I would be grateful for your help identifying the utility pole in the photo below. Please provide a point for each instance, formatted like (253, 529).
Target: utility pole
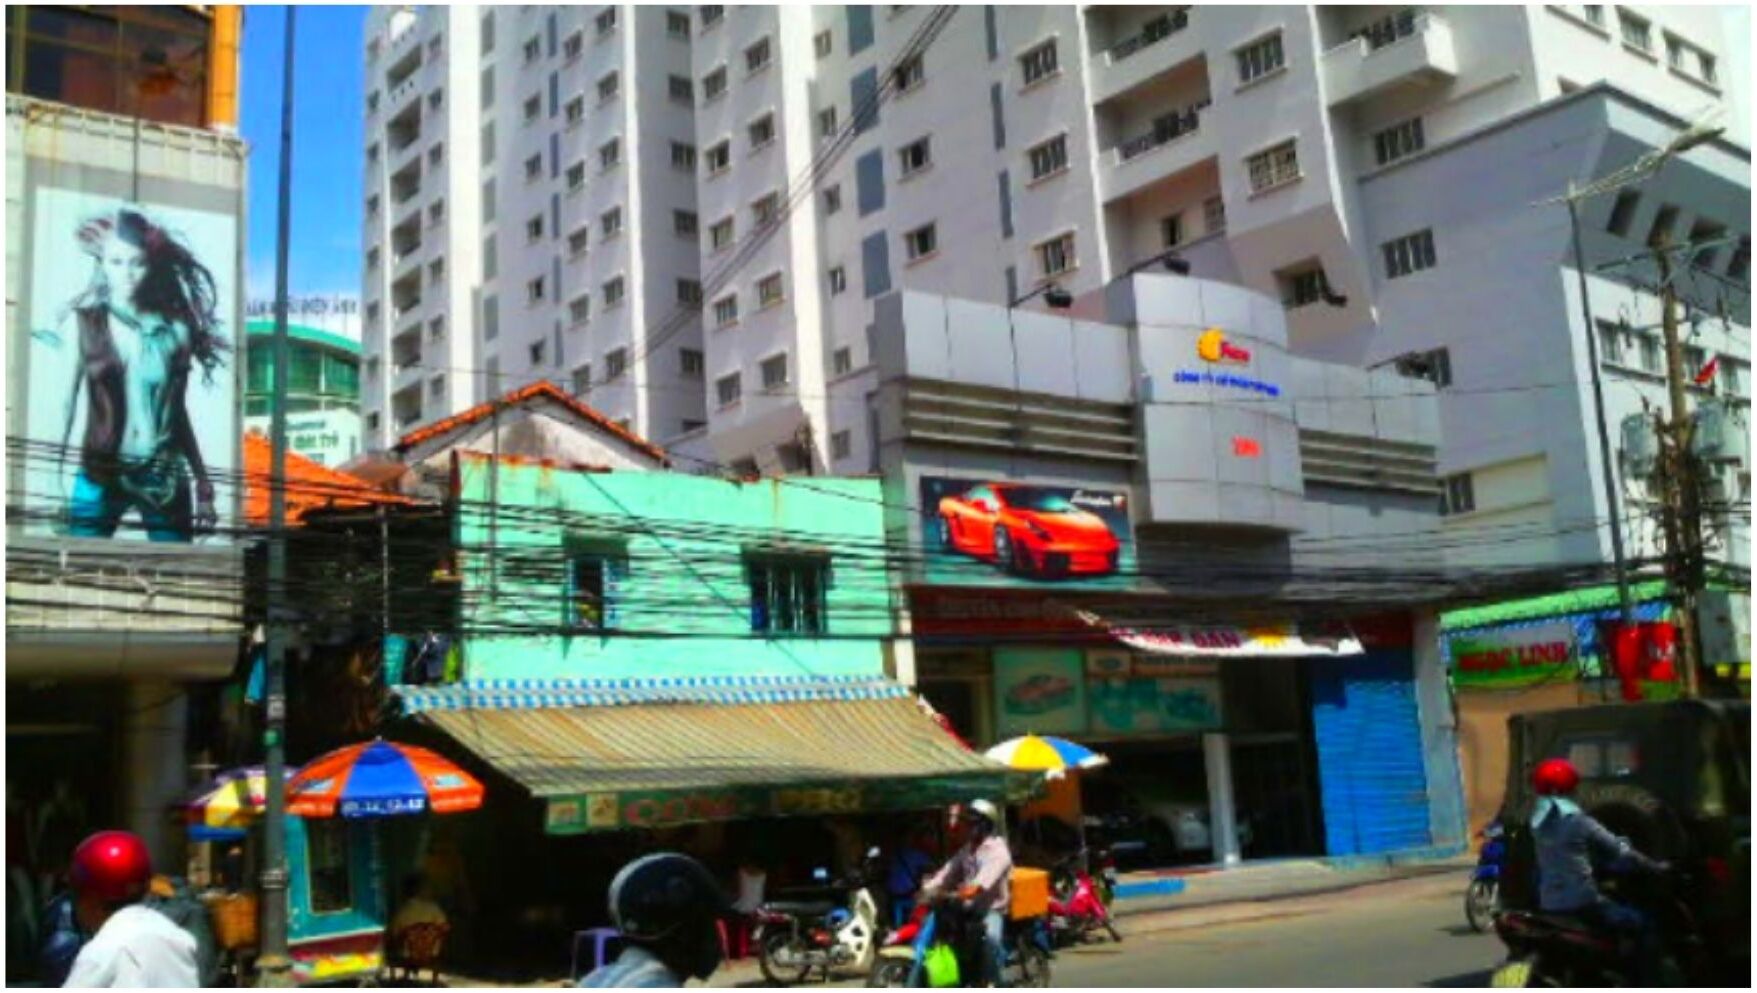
(274, 965)
(1683, 499)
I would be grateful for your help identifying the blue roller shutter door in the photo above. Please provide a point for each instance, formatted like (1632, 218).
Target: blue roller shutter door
(1370, 773)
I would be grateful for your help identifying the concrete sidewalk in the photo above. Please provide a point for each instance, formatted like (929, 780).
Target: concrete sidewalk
(1148, 892)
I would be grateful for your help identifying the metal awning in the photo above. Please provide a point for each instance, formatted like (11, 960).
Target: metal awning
(1274, 640)
(605, 756)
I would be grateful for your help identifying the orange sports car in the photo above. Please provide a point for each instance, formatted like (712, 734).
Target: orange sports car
(1031, 529)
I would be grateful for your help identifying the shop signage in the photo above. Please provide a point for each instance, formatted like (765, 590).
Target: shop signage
(1122, 664)
(1136, 705)
(942, 611)
(1246, 448)
(1227, 379)
(1285, 640)
(610, 811)
(327, 437)
(988, 532)
(1039, 691)
(1212, 346)
(1515, 656)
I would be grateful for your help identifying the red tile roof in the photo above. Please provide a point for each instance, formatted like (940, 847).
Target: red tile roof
(542, 389)
(310, 486)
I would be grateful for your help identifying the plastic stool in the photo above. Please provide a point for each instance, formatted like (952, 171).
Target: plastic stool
(601, 938)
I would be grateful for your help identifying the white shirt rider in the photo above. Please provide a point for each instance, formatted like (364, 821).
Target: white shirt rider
(137, 946)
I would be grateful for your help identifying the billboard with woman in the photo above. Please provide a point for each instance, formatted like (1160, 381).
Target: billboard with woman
(132, 368)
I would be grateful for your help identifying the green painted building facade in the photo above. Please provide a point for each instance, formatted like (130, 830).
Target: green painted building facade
(664, 575)
(323, 390)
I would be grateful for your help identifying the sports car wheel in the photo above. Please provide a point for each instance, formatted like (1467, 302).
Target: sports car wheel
(945, 533)
(1003, 550)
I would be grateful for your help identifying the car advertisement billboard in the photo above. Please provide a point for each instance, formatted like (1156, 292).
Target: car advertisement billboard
(1039, 691)
(987, 531)
(132, 416)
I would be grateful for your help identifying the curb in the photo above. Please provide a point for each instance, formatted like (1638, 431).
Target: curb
(1247, 910)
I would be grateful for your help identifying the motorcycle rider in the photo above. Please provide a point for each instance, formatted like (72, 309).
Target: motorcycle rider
(131, 945)
(666, 905)
(1566, 839)
(982, 871)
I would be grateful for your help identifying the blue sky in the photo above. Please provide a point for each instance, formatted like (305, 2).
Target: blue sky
(328, 135)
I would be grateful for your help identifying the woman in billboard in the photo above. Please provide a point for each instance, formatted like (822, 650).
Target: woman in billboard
(146, 319)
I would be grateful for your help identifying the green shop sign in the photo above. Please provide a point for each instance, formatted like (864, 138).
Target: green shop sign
(1515, 656)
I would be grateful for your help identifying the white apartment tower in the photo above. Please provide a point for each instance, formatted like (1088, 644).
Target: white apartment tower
(531, 212)
(1372, 166)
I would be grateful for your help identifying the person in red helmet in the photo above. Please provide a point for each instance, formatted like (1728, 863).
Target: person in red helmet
(1567, 840)
(131, 945)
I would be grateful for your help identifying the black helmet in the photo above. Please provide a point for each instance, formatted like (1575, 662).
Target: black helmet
(658, 896)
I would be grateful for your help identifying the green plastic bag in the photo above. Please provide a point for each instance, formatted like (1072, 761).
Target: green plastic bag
(941, 966)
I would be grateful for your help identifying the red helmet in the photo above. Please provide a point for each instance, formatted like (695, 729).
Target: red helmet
(112, 866)
(1555, 776)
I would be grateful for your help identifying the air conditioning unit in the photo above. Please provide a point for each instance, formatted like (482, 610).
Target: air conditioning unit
(1719, 435)
(1640, 445)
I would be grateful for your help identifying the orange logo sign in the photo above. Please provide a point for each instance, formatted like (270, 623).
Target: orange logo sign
(1212, 346)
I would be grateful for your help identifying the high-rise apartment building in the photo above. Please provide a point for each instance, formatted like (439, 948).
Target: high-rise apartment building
(1372, 167)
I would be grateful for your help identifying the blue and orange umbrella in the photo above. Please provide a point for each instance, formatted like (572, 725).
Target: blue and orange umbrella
(381, 779)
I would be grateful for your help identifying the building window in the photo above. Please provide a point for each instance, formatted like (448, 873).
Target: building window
(610, 154)
(573, 46)
(1273, 167)
(821, 44)
(1039, 63)
(711, 13)
(756, 57)
(909, 74)
(1213, 215)
(842, 361)
(921, 242)
(1734, 375)
(1388, 29)
(490, 317)
(436, 387)
(681, 89)
(1458, 494)
(1739, 267)
(582, 380)
(726, 311)
(714, 84)
(533, 108)
(915, 157)
(787, 595)
(576, 177)
(1056, 256)
(1675, 52)
(1594, 14)
(613, 292)
(1705, 68)
(606, 21)
(576, 242)
(841, 444)
(608, 86)
(762, 131)
(1260, 58)
(534, 290)
(833, 199)
(1610, 342)
(768, 290)
(1623, 213)
(766, 210)
(682, 156)
(611, 221)
(689, 293)
(676, 24)
(1648, 347)
(1302, 286)
(536, 351)
(615, 364)
(721, 234)
(683, 223)
(533, 49)
(826, 122)
(1410, 253)
(728, 389)
(838, 281)
(576, 110)
(328, 856)
(719, 158)
(488, 144)
(1399, 141)
(1049, 158)
(774, 369)
(1171, 230)
(533, 168)
(1664, 220)
(1637, 31)
(691, 364)
(579, 310)
(488, 32)
(593, 582)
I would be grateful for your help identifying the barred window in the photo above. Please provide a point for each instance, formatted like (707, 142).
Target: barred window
(1410, 253)
(1399, 141)
(1039, 62)
(1260, 58)
(1274, 166)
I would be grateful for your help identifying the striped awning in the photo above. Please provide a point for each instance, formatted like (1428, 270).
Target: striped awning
(609, 756)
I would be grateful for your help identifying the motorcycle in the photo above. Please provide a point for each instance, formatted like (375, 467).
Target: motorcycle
(901, 960)
(796, 937)
(1077, 908)
(1563, 950)
(1482, 898)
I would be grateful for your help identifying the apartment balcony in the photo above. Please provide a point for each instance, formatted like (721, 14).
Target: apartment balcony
(406, 184)
(405, 406)
(403, 131)
(1414, 50)
(1143, 54)
(1175, 144)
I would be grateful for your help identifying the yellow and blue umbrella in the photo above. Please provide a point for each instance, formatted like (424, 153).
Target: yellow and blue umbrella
(1033, 753)
(233, 801)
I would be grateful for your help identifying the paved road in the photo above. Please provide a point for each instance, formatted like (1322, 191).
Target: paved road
(1399, 934)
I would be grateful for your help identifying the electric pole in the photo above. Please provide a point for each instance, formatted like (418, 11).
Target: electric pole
(1682, 497)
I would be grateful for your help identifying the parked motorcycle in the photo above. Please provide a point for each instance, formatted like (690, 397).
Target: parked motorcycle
(1077, 908)
(943, 923)
(1482, 899)
(796, 937)
(1562, 950)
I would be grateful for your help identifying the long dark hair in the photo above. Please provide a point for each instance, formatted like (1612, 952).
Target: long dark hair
(175, 286)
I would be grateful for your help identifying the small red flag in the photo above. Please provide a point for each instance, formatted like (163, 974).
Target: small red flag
(1705, 375)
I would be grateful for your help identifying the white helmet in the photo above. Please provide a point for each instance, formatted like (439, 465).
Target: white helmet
(986, 810)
